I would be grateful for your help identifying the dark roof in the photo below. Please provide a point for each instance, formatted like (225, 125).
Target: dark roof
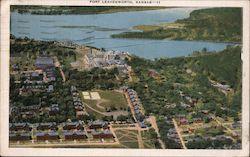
(44, 61)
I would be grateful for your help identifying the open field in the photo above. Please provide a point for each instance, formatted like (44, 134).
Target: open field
(104, 100)
(102, 103)
(127, 138)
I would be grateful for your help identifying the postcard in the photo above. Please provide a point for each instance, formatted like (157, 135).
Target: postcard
(124, 78)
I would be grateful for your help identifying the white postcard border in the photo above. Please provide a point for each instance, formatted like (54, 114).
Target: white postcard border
(4, 99)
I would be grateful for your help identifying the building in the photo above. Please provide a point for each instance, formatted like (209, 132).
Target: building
(72, 125)
(183, 121)
(41, 136)
(20, 127)
(44, 62)
(20, 137)
(78, 135)
(102, 135)
(98, 124)
(153, 73)
(50, 88)
(54, 109)
(47, 126)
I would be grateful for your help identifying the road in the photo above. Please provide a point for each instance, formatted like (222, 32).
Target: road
(179, 133)
(152, 120)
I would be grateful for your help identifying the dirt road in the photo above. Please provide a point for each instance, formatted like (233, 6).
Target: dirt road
(153, 123)
(179, 133)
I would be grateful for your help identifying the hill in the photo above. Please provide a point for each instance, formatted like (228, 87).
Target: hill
(213, 24)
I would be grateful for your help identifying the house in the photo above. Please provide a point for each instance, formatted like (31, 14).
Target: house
(153, 73)
(73, 89)
(50, 88)
(236, 125)
(197, 120)
(205, 111)
(78, 135)
(142, 124)
(80, 114)
(104, 134)
(183, 121)
(136, 107)
(47, 126)
(98, 124)
(54, 109)
(42, 136)
(78, 108)
(30, 108)
(137, 111)
(19, 137)
(20, 127)
(44, 62)
(72, 125)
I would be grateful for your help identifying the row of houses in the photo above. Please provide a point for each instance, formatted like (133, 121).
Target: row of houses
(98, 124)
(53, 135)
(135, 101)
(184, 121)
(78, 105)
(71, 131)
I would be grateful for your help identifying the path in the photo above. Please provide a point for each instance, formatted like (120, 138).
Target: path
(57, 64)
(102, 113)
(179, 134)
(152, 120)
(222, 124)
(98, 104)
(140, 142)
(114, 113)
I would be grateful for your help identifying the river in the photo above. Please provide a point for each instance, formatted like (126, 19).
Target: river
(95, 30)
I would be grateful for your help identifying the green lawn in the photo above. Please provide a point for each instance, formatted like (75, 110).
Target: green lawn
(113, 98)
(109, 99)
(127, 138)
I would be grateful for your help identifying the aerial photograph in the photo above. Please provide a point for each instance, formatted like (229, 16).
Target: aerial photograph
(125, 77)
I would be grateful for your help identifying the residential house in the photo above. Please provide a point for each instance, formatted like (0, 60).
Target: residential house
(42, 136)
(78, 135)
(20, 127)
(98, 124)
(72, 125)
(47, 126)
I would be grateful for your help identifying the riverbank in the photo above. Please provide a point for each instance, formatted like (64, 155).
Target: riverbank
(214, 24)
